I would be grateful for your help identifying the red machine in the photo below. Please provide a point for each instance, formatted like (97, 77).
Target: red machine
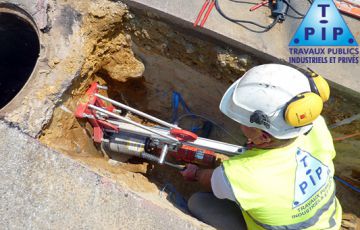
(116, 133)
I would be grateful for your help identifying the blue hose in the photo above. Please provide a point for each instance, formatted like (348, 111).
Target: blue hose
(177, 100)
(347, 184)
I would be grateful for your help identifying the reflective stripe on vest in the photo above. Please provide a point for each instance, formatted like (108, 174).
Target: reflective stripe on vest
(305, 224)
(332, 221)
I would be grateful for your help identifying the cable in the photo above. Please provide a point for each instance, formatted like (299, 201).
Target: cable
(245, 2)
(294, 17)
(213, 122)
(347, 184)
(235, 20)
(291, 7)
(296, 11)
(242, 22)
(265, 28)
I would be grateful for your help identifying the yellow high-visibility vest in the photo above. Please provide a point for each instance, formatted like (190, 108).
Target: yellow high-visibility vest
(290, 187)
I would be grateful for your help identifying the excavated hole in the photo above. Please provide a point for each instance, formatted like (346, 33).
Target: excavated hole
(19, 51)
(193, 72)
(151, 93)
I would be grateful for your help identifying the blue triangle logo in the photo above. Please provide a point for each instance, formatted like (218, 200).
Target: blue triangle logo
(323, 25)
(311, 175)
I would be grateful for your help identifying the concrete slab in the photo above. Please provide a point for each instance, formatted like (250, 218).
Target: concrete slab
(43, 189)
(272, 45)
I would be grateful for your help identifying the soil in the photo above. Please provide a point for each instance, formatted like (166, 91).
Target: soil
(151, 94)
(217, 60)
(167, 60)
(111, 62)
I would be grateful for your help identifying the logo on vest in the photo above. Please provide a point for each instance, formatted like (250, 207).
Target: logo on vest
(311, 176)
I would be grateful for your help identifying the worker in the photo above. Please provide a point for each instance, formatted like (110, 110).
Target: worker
(285, 178)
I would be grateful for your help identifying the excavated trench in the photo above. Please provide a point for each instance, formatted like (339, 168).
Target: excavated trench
(200, 71)
(19, 51)
(150, 93)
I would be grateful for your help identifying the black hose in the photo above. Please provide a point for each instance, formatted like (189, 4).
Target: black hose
(245, 2)
(242, 22)
(294, 17)
(293, 8)
(211, 121)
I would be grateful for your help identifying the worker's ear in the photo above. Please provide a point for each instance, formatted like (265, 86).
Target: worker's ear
(266, 138)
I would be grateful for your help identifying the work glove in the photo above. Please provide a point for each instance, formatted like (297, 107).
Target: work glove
(189, 173)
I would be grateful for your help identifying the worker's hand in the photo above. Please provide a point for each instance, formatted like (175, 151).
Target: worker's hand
(189, 173)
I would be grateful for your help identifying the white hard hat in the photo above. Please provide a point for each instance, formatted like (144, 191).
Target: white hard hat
(266, 89)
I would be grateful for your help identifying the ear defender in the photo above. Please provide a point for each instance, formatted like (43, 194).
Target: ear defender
(303, 109)
(321, 85)
(306, 107)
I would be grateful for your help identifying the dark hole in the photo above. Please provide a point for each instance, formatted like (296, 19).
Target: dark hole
(19, 50)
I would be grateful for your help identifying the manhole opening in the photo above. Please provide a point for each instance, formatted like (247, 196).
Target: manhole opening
(19, 52)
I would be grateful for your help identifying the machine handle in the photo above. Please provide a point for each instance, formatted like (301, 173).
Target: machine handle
(163, 154)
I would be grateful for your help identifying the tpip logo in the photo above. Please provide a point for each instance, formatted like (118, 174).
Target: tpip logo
(323, 26)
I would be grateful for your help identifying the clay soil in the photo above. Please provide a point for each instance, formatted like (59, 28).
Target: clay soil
(163, 63)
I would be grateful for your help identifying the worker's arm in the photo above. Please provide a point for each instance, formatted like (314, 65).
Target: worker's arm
(203, 176)
(213, 180)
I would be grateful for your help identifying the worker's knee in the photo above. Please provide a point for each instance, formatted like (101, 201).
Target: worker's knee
(221, 214)
(197, 201)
